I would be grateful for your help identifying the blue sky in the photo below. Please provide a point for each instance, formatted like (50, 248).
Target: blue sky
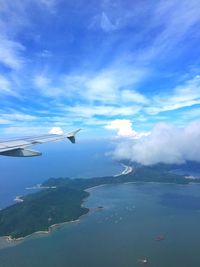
(88, 63)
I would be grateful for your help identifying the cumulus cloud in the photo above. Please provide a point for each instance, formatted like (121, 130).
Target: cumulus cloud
(165, 144)
(123, 127)
(56, 130)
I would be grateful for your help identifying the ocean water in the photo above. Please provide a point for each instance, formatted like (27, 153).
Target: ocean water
(122, 232)
(116, 236)
(61, 159)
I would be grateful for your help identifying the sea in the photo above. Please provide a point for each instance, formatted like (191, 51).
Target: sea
(120, 234)
(86, 159)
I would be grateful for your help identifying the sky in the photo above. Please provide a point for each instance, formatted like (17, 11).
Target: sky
(105, 66)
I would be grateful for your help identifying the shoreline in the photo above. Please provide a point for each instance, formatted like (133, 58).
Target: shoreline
(127, 170)
(51, 228)
(9, 240)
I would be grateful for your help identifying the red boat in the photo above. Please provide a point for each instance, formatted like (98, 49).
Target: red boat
(160, 238)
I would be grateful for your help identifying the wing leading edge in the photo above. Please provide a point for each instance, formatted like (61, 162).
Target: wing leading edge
(18, 147)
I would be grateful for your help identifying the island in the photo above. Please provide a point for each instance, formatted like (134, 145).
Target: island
(61, 200)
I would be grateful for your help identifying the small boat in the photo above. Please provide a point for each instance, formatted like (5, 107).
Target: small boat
(160, 238)
(142, 261)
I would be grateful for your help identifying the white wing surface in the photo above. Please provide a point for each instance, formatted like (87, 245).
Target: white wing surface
(18, 147)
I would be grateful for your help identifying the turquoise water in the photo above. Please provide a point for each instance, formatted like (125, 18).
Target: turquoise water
(122, 232)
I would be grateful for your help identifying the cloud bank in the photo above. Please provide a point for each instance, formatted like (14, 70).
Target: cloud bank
(165, 144)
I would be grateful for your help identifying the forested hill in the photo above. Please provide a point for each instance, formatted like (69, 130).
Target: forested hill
(141, 174)
(62, 200)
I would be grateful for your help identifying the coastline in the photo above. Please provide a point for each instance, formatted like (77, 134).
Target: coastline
(13, 241)
(9, 241)
(51, 228)
(127, 170)
(93, 187)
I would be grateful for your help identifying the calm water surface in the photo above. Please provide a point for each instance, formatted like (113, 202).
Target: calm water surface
(125, 230)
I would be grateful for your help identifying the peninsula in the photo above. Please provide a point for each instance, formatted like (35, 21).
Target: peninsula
(61, 200)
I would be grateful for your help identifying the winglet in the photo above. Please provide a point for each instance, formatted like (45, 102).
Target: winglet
(71, 136)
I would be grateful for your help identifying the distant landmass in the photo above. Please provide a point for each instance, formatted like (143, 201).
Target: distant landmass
(61, 200)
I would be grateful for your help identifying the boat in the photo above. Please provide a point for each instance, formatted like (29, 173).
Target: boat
(142, 261)
(160, 238)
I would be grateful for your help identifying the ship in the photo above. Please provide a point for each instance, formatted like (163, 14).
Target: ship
(160, 238)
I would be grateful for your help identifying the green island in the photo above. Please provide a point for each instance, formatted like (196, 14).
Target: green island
(61, 200)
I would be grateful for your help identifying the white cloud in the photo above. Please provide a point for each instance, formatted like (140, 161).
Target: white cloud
(56, 130)
(112, 91)
(123, 128)
(11, 53)
(18, 123)
(20, 116)
(4, 121)
(24, 130)
(106, 24)
(13, 19)
(101, 87)
(5, 86)
(109, 86)
(46, 87)
(45, 54)
(165, 143)
(185, 95)
(133, 96)
(41, 81)
(49, 5)
(178, 18)
(86, 111)
(13, 118)
(192, 114)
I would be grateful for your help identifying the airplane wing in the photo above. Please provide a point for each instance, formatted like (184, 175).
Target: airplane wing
(18, 147)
